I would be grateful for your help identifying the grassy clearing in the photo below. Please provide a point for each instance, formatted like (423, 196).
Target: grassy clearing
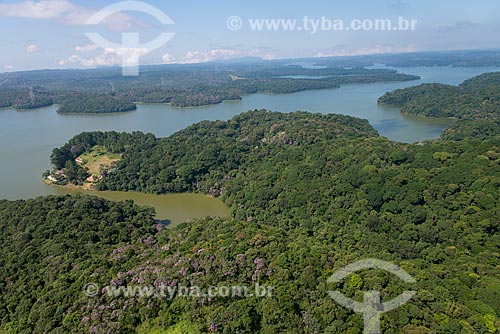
(97, 158)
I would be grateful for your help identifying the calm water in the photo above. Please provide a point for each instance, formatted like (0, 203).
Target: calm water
(175, 208)
(27, 138)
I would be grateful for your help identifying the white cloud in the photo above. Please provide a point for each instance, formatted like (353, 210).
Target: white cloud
(32, 48)
(129, 57)
(86, 48)
(48, 9)
(66, 12)
(168, 59)
(214, 55)
(376, 49)
(109, 57)
(8, 67)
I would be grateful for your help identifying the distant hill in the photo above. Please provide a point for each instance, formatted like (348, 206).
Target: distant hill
(475, 103)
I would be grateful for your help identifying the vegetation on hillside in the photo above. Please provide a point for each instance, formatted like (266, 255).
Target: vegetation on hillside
(25, 98)
(308, 194)
(83, 103)
(475, 103)
(476, 98)
(51, 247)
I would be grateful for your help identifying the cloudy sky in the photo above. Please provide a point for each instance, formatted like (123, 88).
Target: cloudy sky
(51, 33)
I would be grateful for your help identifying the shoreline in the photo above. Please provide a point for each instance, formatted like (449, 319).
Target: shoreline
(175, 208)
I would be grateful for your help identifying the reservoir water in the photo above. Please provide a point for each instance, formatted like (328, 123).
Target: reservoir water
(28, 137)
(172, 209)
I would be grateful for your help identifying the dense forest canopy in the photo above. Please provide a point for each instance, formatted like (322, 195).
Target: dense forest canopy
(92, 103)
(25, 99)
(476, 98)
(308, 194)
(182, 161)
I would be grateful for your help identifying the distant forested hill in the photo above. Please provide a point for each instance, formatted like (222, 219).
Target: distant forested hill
(78, 103)
(191, 85)
(106, 90)
(476, 98)
(475, 103)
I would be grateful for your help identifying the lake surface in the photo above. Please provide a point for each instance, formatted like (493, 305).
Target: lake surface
(28, 137)
(171, 208)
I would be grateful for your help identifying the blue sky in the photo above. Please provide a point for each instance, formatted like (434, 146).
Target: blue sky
(51, 33)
